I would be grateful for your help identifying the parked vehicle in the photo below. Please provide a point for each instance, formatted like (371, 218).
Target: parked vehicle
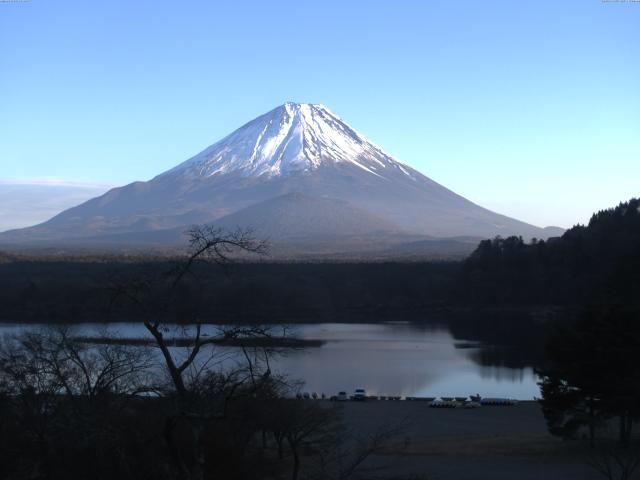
(360, 394)
(340, 397)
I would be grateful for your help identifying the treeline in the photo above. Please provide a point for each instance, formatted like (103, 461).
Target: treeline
(80, 291)
(595, 264)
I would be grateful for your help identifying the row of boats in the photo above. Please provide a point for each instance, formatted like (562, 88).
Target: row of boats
(456, 402)
(471, 401)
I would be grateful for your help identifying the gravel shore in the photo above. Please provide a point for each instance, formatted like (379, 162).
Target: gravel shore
(467, 444)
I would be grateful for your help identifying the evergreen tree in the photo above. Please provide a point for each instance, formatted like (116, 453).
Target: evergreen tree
(594, 374)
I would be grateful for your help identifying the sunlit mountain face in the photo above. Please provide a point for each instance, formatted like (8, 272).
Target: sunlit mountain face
(298, 173)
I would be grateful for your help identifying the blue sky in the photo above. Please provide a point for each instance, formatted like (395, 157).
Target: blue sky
(531, 108)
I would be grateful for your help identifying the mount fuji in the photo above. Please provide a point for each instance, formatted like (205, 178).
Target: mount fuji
(297, 174)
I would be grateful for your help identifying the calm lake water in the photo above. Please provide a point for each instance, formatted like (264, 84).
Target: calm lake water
(385, 359)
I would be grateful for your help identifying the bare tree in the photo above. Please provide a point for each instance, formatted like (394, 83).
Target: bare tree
(347, 455)
(203, 391)
(615, 462)
(319, 445)
(154, 297)
(306, 424)
(57, 385)
(51, 361)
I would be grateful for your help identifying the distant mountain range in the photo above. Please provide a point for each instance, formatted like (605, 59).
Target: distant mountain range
(298, 175)
(24, 204)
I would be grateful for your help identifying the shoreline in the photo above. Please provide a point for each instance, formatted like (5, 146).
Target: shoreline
(189, 342)
(501, 443)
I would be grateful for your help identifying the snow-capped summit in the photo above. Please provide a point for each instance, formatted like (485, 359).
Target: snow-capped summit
(293, 137)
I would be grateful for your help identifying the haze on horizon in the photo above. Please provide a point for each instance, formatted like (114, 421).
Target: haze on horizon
(530, 110)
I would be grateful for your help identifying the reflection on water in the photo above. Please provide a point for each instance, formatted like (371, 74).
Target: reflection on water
(399, 359)
(386, 359)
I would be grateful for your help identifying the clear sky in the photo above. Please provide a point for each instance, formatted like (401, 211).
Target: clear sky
(531, 108)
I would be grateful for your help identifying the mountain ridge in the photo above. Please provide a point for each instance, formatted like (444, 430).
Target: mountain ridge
(301, 148)
(291, 137)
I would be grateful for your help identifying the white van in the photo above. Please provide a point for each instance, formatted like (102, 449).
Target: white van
(360, 394)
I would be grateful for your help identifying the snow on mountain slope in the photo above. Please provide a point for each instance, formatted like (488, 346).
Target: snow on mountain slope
(290, 138)
(295, 148)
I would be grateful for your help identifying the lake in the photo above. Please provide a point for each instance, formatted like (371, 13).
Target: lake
(393, 358)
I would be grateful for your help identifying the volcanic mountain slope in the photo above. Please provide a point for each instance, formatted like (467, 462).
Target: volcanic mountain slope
(298, 216)
(295, 148)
